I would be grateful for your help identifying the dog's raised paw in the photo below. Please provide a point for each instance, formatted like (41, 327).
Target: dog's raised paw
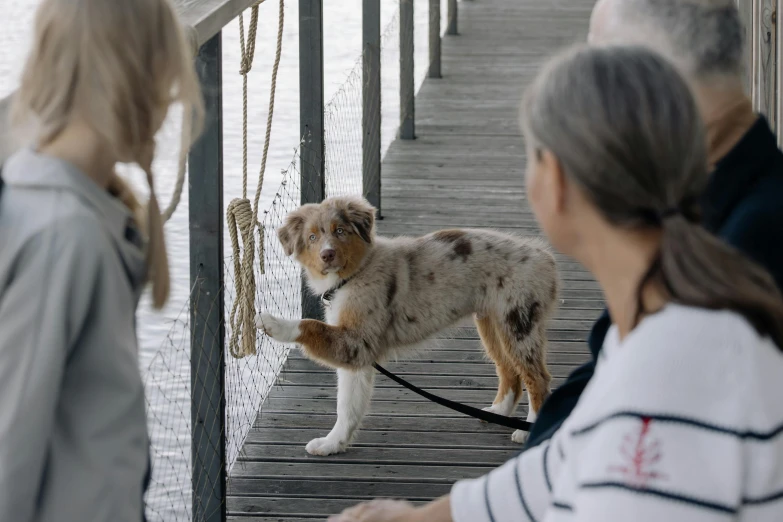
(278, 329)
(519, 436)
(324, 446)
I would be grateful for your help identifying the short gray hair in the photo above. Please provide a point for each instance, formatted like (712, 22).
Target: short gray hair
(703, 37)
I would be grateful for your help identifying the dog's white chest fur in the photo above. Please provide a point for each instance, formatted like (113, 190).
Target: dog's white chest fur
(332, 308)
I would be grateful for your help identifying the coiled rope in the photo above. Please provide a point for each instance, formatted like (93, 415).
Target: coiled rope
(242, 218)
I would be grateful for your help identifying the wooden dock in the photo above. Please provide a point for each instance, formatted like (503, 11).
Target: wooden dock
(465, 169)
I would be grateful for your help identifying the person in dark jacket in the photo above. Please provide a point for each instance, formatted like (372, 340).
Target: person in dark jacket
(743, 202)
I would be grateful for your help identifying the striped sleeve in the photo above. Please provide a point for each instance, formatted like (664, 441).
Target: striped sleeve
(518, 491)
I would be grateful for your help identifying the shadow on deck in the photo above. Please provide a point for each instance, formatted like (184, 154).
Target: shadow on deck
(465, 169)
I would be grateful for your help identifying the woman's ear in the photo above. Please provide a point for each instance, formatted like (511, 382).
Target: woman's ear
(554, 179)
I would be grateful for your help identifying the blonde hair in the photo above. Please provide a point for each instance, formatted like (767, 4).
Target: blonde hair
(119, 66)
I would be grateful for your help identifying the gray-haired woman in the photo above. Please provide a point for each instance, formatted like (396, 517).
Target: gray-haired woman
(682, 420)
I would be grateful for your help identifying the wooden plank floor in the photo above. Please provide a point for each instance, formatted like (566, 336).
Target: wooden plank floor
(465, 169)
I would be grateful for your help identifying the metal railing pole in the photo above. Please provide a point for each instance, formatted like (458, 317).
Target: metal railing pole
(311, 121)
(434, 40)
(452, 14)
(407, 85)
(207, 333)
(371, 102)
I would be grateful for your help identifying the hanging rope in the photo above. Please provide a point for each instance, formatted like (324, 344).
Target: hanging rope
(242, 218)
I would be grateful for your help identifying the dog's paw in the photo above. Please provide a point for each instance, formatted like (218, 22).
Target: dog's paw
(278, 329)
(499, 409)
(324, 446)
(519, 436)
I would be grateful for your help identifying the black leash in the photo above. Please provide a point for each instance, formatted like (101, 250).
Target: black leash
(492, 418)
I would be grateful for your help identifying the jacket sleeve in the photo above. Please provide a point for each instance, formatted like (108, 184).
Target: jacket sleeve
(43, 309)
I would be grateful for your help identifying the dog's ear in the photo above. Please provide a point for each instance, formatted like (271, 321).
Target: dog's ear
(290, 233)
(361, 216)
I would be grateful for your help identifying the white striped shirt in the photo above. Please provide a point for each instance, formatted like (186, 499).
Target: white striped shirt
(682, 421)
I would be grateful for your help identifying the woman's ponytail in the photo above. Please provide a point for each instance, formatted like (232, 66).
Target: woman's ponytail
(695, 268)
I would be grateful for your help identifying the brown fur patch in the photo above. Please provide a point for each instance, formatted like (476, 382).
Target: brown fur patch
(501, 280)
(431, 276)
(509, 378)
(463, 249)
(310, 258)
(449, 236)
(320, 340)
(352, 252)
(521, 320)
(350, 318)
(391, 290)
(291, 233)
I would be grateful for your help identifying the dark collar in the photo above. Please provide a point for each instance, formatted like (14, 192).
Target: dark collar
(326, 297)
(737, 172)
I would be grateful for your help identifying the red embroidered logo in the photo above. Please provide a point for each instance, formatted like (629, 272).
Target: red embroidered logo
(640, 454)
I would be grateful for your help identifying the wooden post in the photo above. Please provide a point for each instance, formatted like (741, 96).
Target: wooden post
(371, 102)
(207, 330)
(434, 69)
(311, 121)
(407, 96)
(452, 13)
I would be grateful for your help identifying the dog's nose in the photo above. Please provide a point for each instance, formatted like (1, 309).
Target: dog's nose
(327, 256)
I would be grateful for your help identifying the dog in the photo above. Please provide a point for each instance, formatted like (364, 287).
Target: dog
(388, 295)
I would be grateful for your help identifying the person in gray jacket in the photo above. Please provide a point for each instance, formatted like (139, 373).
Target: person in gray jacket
(75, 253)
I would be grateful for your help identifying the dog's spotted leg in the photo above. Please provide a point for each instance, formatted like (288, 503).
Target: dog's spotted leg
(354, 392)
(337, 346)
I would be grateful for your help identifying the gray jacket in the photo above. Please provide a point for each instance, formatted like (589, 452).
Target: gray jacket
(73, 433)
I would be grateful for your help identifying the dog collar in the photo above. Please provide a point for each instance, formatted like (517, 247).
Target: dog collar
(326, 297)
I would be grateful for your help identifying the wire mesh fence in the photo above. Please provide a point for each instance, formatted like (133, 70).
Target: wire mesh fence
(247, 381)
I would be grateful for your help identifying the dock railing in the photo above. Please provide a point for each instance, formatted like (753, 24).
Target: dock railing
(203, 394)
(198, 430)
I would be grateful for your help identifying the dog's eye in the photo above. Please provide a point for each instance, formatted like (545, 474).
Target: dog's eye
(340, 231)
(312, 237)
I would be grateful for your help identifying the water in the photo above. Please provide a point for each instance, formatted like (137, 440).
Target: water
(163, 336)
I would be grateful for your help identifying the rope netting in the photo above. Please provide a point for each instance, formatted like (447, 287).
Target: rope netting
(257, 274)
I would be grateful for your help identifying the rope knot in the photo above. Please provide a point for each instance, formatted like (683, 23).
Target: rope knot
(243, 331)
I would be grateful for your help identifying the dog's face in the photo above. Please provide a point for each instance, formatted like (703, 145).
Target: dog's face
(332, 237)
